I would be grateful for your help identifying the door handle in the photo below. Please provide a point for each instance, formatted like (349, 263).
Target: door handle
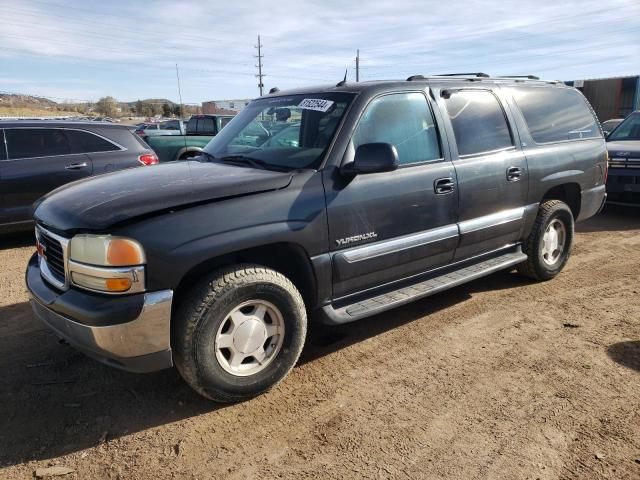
(514, 174)
(76, 166)
(442, 186)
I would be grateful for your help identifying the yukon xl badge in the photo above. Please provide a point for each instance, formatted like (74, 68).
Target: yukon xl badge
(356, 238)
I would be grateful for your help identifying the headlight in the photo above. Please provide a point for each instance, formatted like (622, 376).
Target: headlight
(105, 250)
(104, 263)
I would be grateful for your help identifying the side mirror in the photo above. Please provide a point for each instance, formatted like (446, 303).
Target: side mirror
(372, 158)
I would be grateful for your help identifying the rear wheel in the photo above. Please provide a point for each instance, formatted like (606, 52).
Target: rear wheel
(239, 332)
(550, 241)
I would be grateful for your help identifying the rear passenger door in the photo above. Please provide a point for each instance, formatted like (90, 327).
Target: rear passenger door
(388, 226)
(105, 155)
(39, 160)
(491, 169)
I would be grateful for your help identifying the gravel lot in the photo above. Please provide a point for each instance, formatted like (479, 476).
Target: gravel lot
(499, 379)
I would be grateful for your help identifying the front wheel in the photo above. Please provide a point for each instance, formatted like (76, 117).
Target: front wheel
(549, 244)
(239, 333)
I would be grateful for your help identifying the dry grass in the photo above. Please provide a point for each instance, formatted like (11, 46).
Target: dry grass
(32, 112)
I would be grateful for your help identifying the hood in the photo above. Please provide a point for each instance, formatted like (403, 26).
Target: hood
(100, 202)
(624, 148)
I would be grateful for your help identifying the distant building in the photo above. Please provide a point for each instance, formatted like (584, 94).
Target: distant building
(224, 107)
(611, 97)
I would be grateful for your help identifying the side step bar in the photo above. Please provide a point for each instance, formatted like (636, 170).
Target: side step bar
(408, 293)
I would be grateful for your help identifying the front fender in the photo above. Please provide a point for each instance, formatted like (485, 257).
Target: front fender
(182, 239)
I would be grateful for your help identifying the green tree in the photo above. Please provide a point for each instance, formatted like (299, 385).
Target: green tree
(166, 110)
(147, 109)
(139, 107)
(107, 106)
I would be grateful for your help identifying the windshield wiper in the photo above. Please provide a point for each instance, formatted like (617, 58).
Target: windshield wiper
(254, 162)
(207, 154)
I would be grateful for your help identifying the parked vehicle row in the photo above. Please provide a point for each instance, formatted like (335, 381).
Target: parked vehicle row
(623, 144)
(168, 127)
(341, 202)
(200, 129)
(39, 156)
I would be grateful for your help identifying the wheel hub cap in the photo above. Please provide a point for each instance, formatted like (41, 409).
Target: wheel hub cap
(249, 336)
(553, 242)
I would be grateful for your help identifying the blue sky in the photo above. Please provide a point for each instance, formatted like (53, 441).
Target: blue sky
(128, 49)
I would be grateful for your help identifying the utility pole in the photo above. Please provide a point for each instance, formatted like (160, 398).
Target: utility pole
(358, 65)
(259, 65)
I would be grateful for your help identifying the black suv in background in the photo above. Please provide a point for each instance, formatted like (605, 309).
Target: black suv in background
(623, 144)
(39, 156)
(392, 191)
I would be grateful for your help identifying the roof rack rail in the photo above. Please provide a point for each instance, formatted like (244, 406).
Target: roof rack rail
(416, 77)
(529, 77)
(476, 74)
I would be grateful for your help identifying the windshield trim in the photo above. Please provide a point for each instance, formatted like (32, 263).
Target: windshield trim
(329, 149)
(321, 160)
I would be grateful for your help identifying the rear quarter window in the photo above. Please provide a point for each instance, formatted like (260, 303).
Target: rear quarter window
(556, 114)
(87, 142)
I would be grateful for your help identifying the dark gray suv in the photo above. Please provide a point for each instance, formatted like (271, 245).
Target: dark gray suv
(39, 156)
(392, 191)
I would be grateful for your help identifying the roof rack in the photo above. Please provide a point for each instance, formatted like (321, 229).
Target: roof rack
(529, 77)
(476, 74)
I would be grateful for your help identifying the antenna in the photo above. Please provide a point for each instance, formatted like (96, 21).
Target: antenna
(358, 65)
(259, 65)
(343, 81)
(182, 112)
(179, 91)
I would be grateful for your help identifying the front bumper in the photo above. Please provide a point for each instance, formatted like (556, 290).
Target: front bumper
(140, 344)
(623, 186)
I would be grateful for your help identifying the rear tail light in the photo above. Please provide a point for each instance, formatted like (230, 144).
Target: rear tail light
(148, 159)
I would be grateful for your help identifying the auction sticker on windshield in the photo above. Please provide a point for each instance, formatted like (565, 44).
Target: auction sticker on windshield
(317, 104)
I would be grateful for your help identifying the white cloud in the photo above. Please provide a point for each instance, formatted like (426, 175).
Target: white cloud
(129, 49)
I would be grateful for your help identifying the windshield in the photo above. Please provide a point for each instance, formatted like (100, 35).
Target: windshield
(283, 132)
(629, 129)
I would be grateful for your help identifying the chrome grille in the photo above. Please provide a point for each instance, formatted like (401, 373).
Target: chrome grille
(52, 250)
(53, 255)
(623, 162)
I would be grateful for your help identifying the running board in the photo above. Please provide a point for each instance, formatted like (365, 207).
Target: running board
(408, 293)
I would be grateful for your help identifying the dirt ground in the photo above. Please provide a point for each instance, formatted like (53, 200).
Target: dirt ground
(497, 379)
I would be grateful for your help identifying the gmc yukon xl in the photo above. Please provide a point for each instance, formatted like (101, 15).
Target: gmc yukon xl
(390, 192)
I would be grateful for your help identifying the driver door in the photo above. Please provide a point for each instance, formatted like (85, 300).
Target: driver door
(384, 227)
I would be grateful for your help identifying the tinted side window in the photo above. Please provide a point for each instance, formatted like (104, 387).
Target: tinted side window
(404, 120)
(192, 125)
(478, 122)
(3, 147)
(36, 142)
(224, 121)
(556, 114)
(206, 126)
(85, 142)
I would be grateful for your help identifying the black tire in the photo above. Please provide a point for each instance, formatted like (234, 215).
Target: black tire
(200, 314)
(535, 266)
